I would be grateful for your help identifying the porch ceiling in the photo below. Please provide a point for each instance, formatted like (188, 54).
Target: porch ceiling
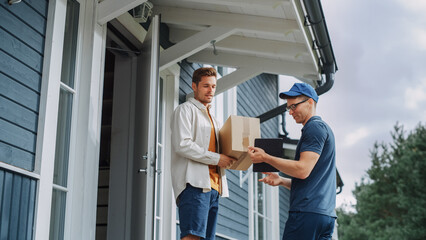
(253, 36)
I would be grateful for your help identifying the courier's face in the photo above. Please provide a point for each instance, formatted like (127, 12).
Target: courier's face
(302, 112)
(205, 89)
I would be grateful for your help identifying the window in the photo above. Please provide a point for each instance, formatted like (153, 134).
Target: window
(159, 177)
(262, 209)
(224, 104)
(66, 98)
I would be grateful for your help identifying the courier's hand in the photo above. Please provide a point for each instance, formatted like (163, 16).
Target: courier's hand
(257, 155)
(271, 178)
(225, 161)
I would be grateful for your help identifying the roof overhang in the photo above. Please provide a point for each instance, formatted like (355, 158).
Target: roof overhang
(252, 36)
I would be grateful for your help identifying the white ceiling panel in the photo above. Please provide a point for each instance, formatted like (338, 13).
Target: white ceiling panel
(265, 35)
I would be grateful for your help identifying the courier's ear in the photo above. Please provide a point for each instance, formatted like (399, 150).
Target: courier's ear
(312, 103)
(194, 86)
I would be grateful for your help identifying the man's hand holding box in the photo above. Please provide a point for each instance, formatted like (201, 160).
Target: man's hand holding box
(235, 136)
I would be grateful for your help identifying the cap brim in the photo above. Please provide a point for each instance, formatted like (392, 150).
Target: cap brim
(284, 95)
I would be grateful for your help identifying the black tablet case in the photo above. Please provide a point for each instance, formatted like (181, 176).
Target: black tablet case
(273, 147)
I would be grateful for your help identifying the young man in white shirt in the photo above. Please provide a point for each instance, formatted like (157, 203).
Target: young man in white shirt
(198, 170)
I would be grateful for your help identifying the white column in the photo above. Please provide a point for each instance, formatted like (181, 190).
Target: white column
(84, 161)
(171, 86)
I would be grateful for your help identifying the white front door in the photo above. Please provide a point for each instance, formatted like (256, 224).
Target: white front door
(145, 135)
(134, 129)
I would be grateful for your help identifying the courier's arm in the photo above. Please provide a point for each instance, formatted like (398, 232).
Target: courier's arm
(299, 169)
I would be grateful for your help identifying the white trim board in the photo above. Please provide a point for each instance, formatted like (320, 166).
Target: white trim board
(48, 116)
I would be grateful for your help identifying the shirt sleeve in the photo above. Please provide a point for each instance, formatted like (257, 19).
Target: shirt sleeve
(182, 138)
(314, 138)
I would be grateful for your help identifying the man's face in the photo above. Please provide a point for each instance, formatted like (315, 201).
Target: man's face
(301, 112)
(205, 89)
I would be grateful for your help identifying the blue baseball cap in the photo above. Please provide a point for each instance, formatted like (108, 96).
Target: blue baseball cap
(300, 89)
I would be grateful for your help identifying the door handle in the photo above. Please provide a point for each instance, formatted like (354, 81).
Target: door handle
(144, 170)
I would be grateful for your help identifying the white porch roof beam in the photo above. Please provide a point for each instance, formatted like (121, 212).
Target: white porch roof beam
(272, 66)
(253, 46)
(110, 9)
(241, 22)
(244, 3)
(235, 78)
(192, 45)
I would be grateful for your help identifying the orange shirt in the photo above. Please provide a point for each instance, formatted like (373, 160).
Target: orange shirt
(213, 169)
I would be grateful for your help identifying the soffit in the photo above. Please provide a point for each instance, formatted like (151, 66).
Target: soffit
(264, 35)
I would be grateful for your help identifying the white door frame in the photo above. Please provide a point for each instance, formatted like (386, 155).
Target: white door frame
(170, 90)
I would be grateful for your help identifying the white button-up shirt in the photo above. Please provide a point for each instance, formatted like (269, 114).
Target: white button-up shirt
(191, 131)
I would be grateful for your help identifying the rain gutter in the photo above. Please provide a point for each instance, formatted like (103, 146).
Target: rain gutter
(315, 20)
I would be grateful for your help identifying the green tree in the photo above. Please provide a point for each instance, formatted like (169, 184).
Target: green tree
(391, 202)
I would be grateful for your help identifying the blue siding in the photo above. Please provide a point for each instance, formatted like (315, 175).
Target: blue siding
(22, 34)
(233, 211)
(257, 96)
(19, 29)
(185, 81)
(17, 198)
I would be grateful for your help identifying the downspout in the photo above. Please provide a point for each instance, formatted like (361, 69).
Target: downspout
(314, 19)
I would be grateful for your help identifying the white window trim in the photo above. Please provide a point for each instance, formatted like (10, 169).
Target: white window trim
(74, 118)
(245, 177)
(86, 116)
(48, 114)
(271, 201)
(19, 170)
(225, 236)
(274, 202)
(229, 97)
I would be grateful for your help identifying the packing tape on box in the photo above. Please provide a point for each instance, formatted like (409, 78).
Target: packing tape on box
(246, 133)
(243, 156)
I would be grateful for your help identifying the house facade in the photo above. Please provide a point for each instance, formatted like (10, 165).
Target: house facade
(87, 89)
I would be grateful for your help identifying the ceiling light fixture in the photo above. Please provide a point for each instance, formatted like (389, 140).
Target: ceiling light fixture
(214, 47)
(142, 12)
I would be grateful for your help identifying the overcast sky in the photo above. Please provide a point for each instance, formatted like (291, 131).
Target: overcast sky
(380, 50)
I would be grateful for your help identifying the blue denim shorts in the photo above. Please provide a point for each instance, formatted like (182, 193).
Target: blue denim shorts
(198, 212)
(307, 226)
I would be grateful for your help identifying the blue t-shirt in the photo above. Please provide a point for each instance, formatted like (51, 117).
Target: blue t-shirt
(316, 193)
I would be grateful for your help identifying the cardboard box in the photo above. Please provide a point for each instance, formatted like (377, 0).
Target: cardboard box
(235, 136)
